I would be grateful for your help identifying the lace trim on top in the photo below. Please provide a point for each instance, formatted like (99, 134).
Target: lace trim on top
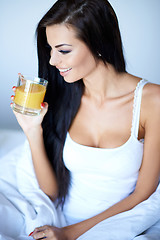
(137, 107)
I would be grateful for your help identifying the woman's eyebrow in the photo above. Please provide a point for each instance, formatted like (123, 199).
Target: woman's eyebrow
(63, 44)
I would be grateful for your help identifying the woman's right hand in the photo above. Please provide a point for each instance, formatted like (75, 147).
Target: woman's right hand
(30, 124)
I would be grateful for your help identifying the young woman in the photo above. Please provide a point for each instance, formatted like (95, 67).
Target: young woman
(95, 145)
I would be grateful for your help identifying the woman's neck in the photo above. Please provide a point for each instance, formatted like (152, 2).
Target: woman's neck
(103, 83)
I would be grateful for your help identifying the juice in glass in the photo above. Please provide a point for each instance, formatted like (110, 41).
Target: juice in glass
(29, 95)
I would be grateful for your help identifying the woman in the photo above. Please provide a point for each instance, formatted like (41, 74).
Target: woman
(88, 153)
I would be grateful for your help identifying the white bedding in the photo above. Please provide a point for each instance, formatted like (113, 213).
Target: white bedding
(23, 206)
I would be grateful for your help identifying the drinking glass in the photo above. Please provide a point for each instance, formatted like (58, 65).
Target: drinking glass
(29, 95)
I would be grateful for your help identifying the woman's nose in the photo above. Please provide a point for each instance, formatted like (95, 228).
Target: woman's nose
(54, 59)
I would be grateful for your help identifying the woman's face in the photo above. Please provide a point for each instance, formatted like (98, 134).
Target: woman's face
(69, 55)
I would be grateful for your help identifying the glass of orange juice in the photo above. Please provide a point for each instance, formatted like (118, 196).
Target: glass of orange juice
(29, 95)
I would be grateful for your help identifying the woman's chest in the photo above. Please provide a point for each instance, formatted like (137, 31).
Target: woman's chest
(106, 126)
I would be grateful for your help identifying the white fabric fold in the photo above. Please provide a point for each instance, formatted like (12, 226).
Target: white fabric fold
(23, 205)
(45, 211)
(22, 237)
(128, 225)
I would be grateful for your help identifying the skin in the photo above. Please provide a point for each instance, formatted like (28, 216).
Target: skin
(108, 96)
(77, 57)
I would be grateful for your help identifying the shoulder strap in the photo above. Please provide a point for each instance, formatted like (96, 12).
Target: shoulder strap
(137, 107)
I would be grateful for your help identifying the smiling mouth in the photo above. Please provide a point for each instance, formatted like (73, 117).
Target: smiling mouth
(64, 70)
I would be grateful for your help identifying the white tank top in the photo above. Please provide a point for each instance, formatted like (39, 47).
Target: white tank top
(101, 177)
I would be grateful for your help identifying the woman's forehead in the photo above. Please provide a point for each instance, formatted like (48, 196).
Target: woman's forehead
(60, 33)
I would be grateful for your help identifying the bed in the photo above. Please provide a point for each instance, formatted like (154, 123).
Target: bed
(23, 206)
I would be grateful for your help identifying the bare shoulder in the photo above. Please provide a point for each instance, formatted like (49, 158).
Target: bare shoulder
(151, 101)
(151, 94)
(151, 91)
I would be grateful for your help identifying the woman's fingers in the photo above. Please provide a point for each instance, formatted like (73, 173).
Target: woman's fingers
(14, 88)
(44, 108)
(41, 232)
(12, 97)
(38, 229)
(49, 232)
(39, 235)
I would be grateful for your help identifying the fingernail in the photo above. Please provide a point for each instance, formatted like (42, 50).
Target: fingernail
(12, 96)
(13, 87)
(30, 234)
(11, 105)
(42, 105)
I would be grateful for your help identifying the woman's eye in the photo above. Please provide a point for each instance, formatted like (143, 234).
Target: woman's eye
(64, 51)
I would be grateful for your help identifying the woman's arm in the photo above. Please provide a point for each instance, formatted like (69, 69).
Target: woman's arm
(43, 169)
(32, 128)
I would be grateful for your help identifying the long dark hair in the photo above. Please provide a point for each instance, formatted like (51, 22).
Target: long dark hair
(96, 24)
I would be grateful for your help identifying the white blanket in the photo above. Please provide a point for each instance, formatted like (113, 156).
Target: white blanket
(23, 206)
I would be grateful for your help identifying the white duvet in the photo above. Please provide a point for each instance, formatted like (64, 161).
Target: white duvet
(23, 206)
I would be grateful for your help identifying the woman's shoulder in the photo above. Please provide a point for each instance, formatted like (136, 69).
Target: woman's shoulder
(151, 101)
(151, 93)
(150, 105)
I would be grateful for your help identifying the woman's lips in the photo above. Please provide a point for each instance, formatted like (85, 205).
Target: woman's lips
(64, 71)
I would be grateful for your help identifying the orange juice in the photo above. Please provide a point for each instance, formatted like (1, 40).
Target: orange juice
(30, 95)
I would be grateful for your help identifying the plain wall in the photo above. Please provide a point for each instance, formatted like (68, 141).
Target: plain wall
(139, 24)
